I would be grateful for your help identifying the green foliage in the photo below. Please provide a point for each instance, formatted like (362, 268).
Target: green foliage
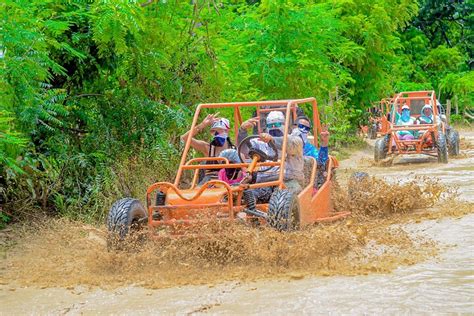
(439, 49)
(4, 219)
(460, 85)
(339, 118)
(11, 142)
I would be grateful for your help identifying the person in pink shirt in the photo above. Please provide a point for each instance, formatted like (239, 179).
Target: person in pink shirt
(234, 176)
(231, 176)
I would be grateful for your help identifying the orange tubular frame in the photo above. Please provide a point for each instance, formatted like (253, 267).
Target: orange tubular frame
(215, 199)
(421, 145)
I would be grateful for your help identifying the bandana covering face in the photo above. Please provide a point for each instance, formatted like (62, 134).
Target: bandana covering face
(219, 140)
(231, 173)
(304, 136)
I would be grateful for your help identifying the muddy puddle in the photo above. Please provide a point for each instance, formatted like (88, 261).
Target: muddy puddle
(399, 253)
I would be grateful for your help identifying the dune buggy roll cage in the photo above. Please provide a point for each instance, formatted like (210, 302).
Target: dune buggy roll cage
(289, 106)
(408, 98)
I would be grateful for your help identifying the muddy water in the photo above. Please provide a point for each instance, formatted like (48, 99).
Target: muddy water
(430, 278)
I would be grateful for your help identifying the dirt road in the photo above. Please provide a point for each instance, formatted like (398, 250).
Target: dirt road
(440, 284)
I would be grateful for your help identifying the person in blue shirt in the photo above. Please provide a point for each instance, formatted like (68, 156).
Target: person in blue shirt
(303, 128)
(406, 120)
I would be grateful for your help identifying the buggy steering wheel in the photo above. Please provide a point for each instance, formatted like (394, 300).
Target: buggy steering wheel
(253, 151)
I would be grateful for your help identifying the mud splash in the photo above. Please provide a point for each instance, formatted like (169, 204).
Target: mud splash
(65, 254)
(374, 197)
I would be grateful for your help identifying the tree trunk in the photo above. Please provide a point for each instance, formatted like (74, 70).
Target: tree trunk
(456, 104)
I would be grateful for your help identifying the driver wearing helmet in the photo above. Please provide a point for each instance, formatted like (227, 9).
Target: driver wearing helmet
(231, 176)
(294, 163)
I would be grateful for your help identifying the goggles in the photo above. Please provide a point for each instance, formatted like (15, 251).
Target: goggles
(304, 128)
(274, 125)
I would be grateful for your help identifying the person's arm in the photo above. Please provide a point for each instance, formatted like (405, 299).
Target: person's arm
(323, 154)
(278, 141)
(200, 127)
(251, 122)
(242, 134)
(199, 145)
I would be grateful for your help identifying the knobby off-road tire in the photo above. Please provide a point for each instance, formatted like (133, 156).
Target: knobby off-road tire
(381, 149)
(284, 211)
(442, 148)
(125, 215)
(453, 142)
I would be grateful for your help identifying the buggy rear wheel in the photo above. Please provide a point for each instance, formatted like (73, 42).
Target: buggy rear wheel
(284, 211)
(442, 148)
(453, 142)
(125, 216)
(381, 149)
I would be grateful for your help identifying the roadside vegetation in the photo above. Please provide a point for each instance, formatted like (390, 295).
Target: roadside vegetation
(94, 94)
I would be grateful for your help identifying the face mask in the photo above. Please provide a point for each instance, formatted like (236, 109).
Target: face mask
(304, 136)
(219, 139)
(275, 133)
(405, 116)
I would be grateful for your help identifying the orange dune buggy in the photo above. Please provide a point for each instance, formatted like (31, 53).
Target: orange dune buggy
(175, 207)
(379, 118)
(429, 139)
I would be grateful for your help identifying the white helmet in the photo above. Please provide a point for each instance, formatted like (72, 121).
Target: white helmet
(221, 123)
(231, 155)
(275, 117)
(276, 123)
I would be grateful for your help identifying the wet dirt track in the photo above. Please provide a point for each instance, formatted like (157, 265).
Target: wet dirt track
(442, 284)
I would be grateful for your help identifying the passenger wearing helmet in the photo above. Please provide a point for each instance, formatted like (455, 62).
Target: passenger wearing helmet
(426, 115)
(263, 115)
(220, 141)
(219, 133)
(231, 175)
(235, 176)
(405, 119)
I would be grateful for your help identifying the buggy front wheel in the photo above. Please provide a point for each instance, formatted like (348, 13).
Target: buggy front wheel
(126, 216)
(284, 211)
(442, 148)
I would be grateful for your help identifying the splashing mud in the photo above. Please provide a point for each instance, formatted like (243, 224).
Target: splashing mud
(371, 196)
(64, 253)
